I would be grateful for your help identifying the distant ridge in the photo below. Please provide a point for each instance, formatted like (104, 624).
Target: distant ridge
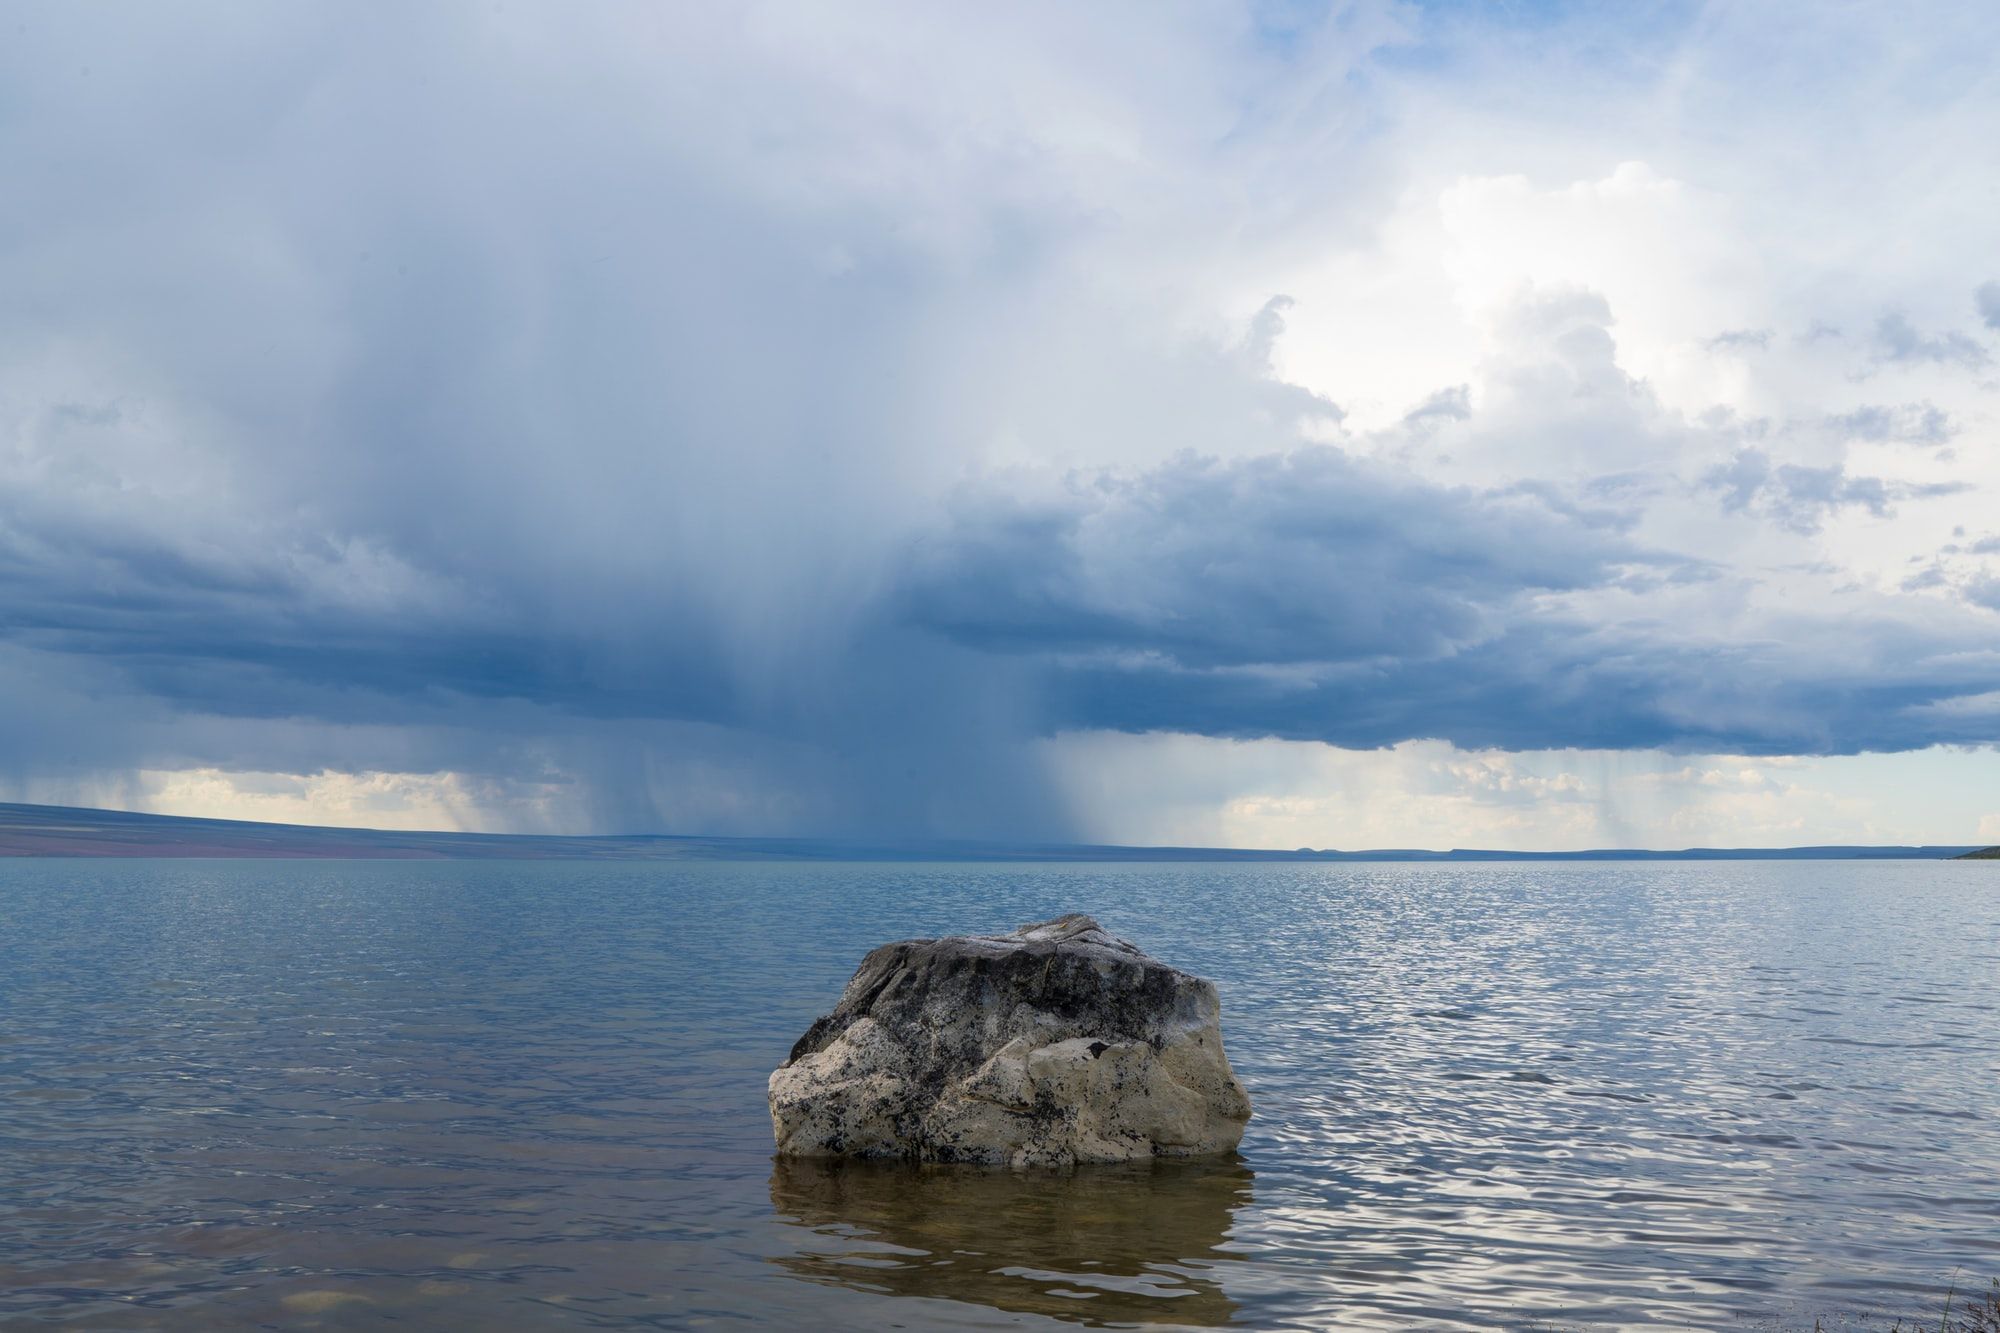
(1983, 854)
(53, 830)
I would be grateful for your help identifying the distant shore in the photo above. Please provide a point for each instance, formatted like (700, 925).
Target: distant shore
(64, 831)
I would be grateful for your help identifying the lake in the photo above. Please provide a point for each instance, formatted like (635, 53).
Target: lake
(531, 1095)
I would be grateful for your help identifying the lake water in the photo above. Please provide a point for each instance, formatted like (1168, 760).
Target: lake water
(525, 1095)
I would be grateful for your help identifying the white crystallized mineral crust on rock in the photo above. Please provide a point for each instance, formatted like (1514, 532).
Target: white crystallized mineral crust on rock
(1057, 1044)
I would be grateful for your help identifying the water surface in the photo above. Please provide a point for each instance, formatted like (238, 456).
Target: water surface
(351, 1095)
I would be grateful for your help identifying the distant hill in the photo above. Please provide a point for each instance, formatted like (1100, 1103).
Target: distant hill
(50, 830)
(1983, 854)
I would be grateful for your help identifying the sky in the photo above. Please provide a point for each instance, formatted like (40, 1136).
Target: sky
(1271, 424)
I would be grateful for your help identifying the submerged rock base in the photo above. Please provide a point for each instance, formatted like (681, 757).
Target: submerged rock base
(1059, 1043)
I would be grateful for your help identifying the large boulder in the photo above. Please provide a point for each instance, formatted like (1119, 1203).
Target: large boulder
(1057, 1044)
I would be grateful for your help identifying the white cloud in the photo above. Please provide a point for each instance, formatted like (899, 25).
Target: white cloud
(1162, 789)
(447, 801)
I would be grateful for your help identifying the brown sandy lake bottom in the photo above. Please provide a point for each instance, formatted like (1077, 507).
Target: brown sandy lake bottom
(518, 1095)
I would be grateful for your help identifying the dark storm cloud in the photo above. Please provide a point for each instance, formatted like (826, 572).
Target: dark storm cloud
(521, 392)
(386, 367)
(1259, 563)
(1306, 596)
(1314, 598)
(1565, 684)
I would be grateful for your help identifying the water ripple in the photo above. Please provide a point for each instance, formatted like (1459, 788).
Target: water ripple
(455, 1095)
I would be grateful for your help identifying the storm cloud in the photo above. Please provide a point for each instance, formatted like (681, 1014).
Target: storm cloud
(1310, 598)
(774, 420)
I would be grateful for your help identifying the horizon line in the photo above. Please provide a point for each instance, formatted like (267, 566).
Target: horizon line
(89, 831)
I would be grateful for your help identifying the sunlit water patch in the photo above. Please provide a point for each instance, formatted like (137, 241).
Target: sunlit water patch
(531, 1095)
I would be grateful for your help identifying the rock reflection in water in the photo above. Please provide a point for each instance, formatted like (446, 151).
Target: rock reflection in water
(1105, 1244)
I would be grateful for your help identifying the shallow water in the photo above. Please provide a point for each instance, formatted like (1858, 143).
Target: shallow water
(345, 1095)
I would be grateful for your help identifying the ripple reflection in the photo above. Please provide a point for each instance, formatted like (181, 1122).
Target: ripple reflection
(1124, 1244)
